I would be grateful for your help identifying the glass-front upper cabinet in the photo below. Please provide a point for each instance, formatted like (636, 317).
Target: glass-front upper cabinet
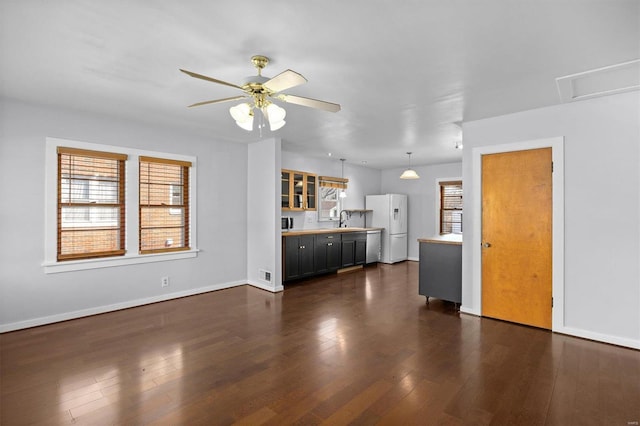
(298, 190)
(285, 194)
(311, 192)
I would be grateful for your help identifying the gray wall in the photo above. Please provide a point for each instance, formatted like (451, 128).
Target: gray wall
(362, 181)
(423, 198)
(28, 296)
(601, 206)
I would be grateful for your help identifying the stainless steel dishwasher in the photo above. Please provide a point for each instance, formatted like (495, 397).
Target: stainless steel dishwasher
(373, 246)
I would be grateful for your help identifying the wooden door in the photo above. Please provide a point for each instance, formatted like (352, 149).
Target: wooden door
(516, 236)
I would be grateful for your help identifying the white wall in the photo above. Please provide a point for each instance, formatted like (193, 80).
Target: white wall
(264, 244)
(423, 198)
(29, 297)
(602, 209)
(362, 181)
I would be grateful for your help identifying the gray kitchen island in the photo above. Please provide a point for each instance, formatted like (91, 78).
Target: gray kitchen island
(441, 268)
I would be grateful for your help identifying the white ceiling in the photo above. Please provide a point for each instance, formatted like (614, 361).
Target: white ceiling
(405, 72)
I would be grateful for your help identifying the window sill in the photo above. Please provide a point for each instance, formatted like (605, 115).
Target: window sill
(108, 262)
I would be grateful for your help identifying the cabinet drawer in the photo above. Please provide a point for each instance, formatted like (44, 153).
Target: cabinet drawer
(354, 236)
(327, 238)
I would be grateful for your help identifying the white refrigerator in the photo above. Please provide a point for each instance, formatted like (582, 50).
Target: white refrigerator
(389, 211)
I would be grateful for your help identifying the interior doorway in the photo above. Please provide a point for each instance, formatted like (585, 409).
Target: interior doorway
(517, 236)
(472, 302)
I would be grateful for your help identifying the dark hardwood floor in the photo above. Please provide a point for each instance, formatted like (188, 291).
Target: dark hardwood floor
(356, 348)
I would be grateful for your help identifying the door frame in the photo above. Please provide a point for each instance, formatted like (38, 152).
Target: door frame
(557, 155)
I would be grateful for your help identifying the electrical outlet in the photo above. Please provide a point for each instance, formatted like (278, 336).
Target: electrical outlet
(164, 281)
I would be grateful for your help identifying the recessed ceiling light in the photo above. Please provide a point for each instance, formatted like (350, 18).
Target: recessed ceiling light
(329, 154)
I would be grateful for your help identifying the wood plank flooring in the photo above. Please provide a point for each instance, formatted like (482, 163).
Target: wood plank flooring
(359, 348)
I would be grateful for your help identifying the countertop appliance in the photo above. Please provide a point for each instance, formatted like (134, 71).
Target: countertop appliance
(286, 223)
(389, 211)
(373, 245)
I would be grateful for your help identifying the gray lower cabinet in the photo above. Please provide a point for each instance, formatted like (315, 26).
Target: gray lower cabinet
(354, 249)
(313, 254)
(328, 253)
(299, 258)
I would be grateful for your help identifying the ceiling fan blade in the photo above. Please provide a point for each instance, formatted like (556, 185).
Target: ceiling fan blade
(213, 80)
(215, 101)
(308, 102)
(283, 81)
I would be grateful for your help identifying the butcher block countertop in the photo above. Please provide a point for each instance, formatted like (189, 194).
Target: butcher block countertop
(455, 239)
(327, 231)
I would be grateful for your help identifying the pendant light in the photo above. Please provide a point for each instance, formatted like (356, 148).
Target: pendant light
(343, 193)
(409, 173)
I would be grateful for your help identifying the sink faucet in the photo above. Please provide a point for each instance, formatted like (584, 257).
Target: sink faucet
(342, 221)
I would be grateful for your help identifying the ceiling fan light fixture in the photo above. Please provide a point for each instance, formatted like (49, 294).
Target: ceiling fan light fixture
(409, 173)
(260, 90)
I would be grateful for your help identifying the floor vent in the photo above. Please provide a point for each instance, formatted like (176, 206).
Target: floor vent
(265, 275)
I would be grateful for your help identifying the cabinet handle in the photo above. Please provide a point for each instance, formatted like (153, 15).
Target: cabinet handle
(330, 237)
(301, 247)
(329, 244)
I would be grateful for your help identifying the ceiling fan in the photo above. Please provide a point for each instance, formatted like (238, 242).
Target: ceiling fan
(260, 91)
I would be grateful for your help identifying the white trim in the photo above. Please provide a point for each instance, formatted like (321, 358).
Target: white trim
(557, 148)
(468, 311)
(114, 307)
(413, 259)
(109, 262)
(50, 263)
(262, 286)
(605, 338)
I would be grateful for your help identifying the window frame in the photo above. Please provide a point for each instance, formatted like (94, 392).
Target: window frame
(339, 184)
(87, 204)
(50, 263)
(439, 208)
(183, 205)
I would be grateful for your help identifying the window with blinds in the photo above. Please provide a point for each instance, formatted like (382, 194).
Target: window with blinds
(451, 207)
(164, 205)
(91, 210)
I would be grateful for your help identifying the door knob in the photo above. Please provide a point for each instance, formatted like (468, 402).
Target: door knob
(486, 245)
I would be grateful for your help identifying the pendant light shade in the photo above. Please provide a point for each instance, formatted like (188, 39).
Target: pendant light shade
(275, 115)
(409, 173)
(243, 114)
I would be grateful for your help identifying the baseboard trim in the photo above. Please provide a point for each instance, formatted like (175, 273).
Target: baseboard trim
(583, 334)
(66, 316)
(468, 311)
(599, 337)
(261, 286)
